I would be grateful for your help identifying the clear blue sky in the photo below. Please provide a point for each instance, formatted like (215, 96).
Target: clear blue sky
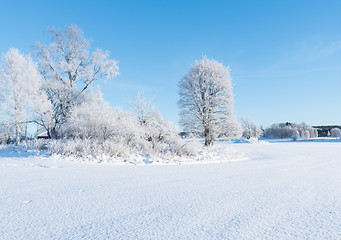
(285, 56)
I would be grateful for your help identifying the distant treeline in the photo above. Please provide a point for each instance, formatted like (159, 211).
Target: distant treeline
(290, 130)
(324, 131)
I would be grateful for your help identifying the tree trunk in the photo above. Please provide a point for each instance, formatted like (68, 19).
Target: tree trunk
(26, 131)
(208, 137)
(17, 134)
(52, 133)
(17, 129)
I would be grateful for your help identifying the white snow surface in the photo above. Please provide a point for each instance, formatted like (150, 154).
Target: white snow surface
(284, 190)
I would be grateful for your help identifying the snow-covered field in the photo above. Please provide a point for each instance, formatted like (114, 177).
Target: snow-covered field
(284, 190)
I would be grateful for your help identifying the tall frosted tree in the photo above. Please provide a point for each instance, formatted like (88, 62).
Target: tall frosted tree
(19, 89)
(206, 100)
(69, 68)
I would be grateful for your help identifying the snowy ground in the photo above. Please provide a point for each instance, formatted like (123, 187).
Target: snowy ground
(284, 190)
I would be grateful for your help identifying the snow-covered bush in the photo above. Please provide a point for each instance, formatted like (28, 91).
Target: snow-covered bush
(93, 128)
(163, 136)
(335, 132)
(92, 119)
(295, 136)
(93, 148)
(291, 130)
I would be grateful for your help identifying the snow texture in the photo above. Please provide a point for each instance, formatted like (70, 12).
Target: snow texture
(285, 190)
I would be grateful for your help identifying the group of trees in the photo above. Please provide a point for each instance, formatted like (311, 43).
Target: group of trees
(50, 87)
(45, 91)
(291, 130)
(328, 131)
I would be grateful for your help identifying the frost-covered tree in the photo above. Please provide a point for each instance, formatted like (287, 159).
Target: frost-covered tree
(20, 82)
(250, 128)
(335, 132)
(206, 99)
(69, 68)
(141, 108)
(44, 112)
(7, 132)
(233, 130)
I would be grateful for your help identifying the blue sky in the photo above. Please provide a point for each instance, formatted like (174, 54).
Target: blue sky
(285, 56)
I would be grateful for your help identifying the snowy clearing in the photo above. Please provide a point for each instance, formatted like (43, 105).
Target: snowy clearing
(285, 190)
